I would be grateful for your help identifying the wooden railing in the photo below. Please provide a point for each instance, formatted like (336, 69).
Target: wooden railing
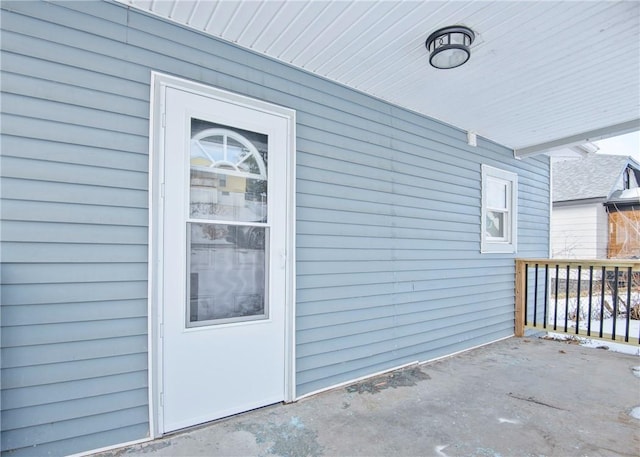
(589, 298)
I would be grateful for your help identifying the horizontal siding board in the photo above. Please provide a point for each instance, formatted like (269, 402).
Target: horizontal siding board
(426, 230)
(363, 303)
(442, 156)
(416, 245)
(387, 181)
(408, 219)
(327, 130)
(406, 335)
(371, 333)
(104, 22)
(55, 192)
(102, 54)
(121, 434)
(29, 273)
(330, 182)
(57, 431)
(66, 94)
(416, 289)
(83, 407)
(31, 107)
(436, 211)
(33, 169)
(411, 312)
(47, 232)
(66, 332)
(73, 390)
(72, 371)
(69, 73)
(73, 253)
(306, 269)
(439, 252)
(52, 130)
(85, 349)
(72, 292)
(100, 157)
(424, 339)
(54, 313)
(431, 350)
(421, 315)
(391, 276)
(73, 213)
(354, 328)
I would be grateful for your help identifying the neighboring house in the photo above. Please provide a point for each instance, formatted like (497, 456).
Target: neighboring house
(595, 207)
(624, 222)
(191, 229)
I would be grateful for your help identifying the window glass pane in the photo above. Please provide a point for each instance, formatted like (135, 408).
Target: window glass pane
(227, 273)
(496, 194)
(228, 173)
(494, 224)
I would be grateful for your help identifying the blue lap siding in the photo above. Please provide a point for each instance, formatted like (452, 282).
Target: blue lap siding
(389, 269)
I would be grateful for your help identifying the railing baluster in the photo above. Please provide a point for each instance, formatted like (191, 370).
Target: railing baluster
(535, 297)
(566, 301)
(615, 303)
(546, 293)
(555, 308)
(590, 300)
(614, 276)
(626, 330)
(603, 280)
(578, 300)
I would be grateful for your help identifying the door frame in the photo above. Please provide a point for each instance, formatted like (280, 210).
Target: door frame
(159, 82)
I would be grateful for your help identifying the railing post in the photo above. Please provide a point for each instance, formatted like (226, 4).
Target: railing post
(521, 277)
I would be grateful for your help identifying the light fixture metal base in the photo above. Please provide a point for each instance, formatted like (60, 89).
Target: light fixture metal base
(449, 46)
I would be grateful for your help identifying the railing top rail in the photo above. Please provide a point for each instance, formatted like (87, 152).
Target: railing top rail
(610, 263)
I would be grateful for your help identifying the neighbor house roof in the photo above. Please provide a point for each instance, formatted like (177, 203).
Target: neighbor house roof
(592, 177)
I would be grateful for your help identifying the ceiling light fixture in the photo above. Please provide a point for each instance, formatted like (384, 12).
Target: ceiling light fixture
(449, 46)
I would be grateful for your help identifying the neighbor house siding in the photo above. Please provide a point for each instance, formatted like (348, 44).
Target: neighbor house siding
(579, 232)
(389, 268)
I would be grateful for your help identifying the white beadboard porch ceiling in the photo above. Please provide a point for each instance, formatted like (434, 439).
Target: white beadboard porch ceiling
(542, 74)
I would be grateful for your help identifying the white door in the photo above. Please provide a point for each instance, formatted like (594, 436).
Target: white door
(223, 258)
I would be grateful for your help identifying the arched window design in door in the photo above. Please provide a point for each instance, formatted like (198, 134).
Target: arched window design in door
(228, 174)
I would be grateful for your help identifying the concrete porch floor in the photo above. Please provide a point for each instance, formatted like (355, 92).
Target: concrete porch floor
(516, 397)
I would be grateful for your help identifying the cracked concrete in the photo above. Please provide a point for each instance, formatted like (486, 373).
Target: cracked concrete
(517, 397)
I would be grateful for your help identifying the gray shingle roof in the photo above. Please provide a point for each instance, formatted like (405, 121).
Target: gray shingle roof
(593, 176)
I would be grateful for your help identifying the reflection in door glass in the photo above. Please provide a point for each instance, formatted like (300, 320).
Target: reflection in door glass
(226, 273)
(228, 173)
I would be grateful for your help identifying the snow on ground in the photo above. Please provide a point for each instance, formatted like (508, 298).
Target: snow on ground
(597, 343)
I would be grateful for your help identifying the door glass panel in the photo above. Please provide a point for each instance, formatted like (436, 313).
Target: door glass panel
(228, 173)
(227, 273)
(227, 262)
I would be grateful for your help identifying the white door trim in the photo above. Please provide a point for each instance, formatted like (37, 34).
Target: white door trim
(159, 82)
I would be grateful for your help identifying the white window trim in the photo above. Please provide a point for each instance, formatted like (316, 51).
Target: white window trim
(509, 244)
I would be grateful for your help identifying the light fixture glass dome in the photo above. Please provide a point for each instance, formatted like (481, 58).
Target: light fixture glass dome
(449, 46)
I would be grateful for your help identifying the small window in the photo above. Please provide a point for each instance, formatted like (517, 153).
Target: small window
(499, 210)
